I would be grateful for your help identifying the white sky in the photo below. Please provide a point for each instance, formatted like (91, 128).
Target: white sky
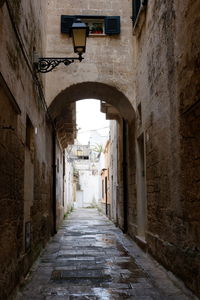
(89, 117)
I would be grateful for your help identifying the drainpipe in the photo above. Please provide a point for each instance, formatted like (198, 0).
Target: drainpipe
(54, 180)
(125, 181)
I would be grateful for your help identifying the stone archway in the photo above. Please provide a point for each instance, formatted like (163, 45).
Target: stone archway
(93, 90)
(109, 95)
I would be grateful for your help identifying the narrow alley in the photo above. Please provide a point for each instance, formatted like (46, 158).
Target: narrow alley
(99, 149)
(89, 258)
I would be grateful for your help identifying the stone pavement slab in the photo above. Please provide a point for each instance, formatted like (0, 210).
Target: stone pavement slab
(90, 258)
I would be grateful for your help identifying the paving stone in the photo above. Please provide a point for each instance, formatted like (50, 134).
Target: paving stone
(86, 297)
(57, 298)
(91, 259)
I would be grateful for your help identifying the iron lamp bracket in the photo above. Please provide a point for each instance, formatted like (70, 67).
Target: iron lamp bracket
(47, 64)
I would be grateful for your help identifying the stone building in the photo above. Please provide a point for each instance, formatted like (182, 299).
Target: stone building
(111, 168)
(105, 181)
(84, 162)
(166, 55)
(26, 199)
(145, 70)
(31, 145)
(70, 179)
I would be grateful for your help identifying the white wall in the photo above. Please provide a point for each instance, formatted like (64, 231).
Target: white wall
(68, 186)
(89, 185)
(101, 165)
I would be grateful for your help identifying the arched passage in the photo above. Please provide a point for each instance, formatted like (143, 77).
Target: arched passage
(126, 152)
(93, 90)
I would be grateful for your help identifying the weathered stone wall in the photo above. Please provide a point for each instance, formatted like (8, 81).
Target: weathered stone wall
(108, 59)
(120, 187)
(106, 73)
(160, 68)
(59, 186)
(25, 151)
(111, 95)
(167, 86)
(188, 91)
(113, 168)
(131, 173)
(11, 197)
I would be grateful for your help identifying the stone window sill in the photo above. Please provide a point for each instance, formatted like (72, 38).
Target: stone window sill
(95, 35)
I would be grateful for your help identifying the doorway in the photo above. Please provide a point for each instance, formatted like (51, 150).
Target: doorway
(141, 189)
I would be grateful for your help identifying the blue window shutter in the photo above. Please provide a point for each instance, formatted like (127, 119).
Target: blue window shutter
(66, 23)
(112, 25)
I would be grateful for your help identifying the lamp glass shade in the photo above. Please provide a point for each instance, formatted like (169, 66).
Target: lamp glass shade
(79, 33)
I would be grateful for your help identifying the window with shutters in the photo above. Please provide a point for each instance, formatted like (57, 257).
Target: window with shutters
(138, 13)
(97, 25)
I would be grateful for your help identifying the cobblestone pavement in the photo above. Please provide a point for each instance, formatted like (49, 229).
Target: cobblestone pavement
(90, 258)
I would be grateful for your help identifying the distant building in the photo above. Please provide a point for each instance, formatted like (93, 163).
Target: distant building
(84, 159)
(96, 139)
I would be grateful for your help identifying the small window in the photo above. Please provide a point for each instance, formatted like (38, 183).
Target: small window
(98, 25)
(83, 157)
(79, 152)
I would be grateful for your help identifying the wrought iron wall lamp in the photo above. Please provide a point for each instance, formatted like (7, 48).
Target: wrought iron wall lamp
(79, 32)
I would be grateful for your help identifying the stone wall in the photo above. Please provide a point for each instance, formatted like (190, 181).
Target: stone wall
(188, 91)
(25, 144)
(112, 96)
(113, 168)
(120, 187)
(167, 87)
(108, 59)
(11, 197)
(106, 73)
(156, 72)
